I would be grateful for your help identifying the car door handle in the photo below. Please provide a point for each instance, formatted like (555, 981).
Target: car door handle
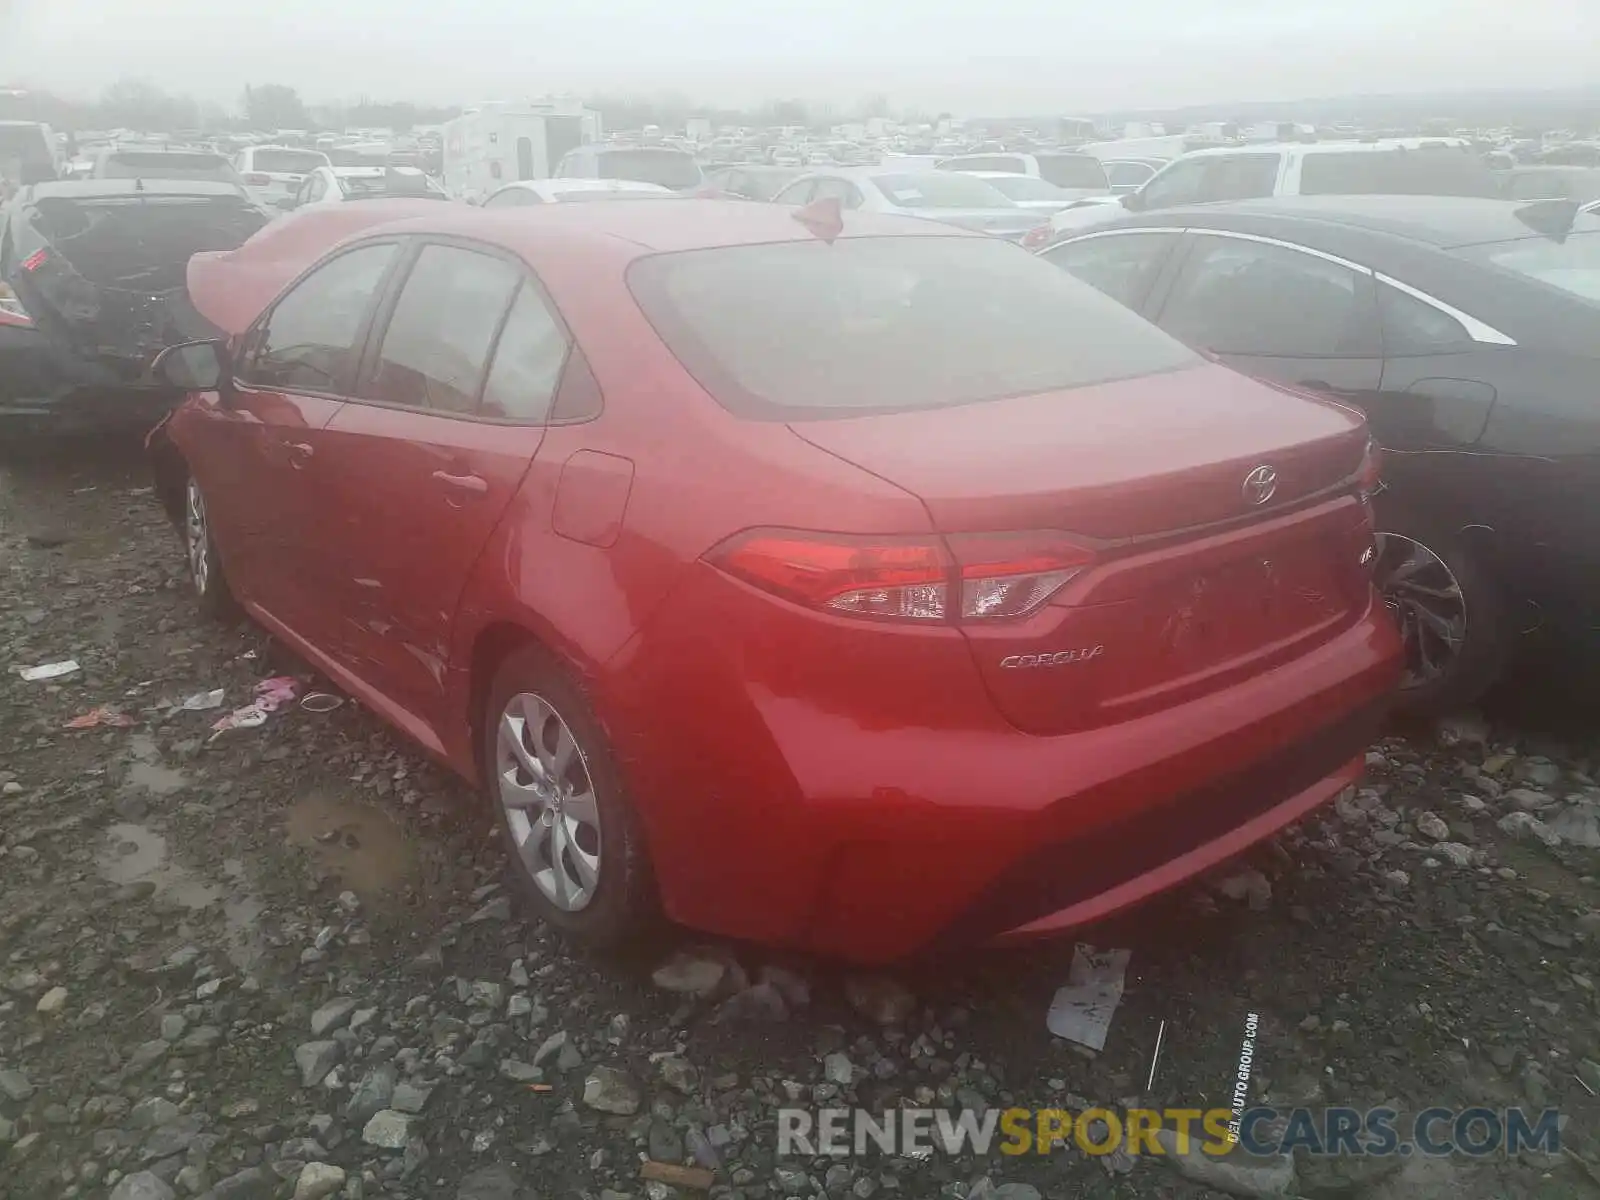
(299, 453)
(474, 484)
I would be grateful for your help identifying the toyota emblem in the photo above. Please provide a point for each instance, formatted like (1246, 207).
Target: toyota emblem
(1260, 484)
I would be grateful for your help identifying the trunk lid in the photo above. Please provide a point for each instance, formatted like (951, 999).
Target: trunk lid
(1194, 585)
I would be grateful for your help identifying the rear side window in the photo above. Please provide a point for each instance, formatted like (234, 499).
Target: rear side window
(1411, 327)
(1072, 170)
(527, 362)
(1122, 265)
(1572, 265)
(1008, 163)
(308, 339)
(1128, 174)
(1426, 171)
(1245, 297)
(437, 343)
(809, 329)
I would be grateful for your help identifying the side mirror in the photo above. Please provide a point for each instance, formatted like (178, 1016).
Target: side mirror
(1132, 201)
(193, 366)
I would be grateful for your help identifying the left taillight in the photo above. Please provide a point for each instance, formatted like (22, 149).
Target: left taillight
(35, 260)
(1369, 476)
(1038, 237)
(967, 577)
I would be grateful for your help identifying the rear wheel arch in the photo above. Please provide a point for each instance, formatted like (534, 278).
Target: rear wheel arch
(170, 471)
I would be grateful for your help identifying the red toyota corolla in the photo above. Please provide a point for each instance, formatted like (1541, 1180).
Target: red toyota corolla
(864, 586)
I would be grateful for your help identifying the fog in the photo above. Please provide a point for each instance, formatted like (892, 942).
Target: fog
(993, 58)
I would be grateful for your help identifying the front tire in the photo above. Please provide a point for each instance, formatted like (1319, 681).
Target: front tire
(570, 829)
(1450, 609)
(212, 593)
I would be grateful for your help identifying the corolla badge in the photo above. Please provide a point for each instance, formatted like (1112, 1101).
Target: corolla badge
(1260, 484)
(1059, 659)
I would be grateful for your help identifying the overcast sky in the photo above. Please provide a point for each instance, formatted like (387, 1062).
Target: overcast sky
(994, 57)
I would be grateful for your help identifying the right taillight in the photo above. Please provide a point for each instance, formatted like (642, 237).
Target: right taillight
(1038, 236)
(967, 577)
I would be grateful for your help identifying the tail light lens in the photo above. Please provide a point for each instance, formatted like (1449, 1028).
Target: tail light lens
(1038, 236)
(971, 577)
(257, 179)
(35, 260)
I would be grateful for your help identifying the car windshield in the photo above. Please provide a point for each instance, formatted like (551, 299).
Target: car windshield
(287, 162)
(1428, 171)
(167, 165)
(669, 168)
(1072, 170)
(939, 189)
(1026, 187)
(1572, 265)
(813, 329)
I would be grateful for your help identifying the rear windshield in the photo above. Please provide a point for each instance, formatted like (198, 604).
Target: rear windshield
(1072, 170)
(670, 168)
(135, 165)
(28, 143)
(812, 329)
(1573, 265)
(287, 162)
(939, 189)
(392, 184)
(1429, 171)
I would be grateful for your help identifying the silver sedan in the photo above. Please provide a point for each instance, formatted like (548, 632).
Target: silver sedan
(946, 196)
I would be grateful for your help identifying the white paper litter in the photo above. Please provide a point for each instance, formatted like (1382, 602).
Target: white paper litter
(202, 701)
(53, 670)
(1081, 1011)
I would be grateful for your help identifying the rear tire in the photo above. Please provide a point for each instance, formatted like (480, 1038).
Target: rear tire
(1451, 611)
(552, 778)
(212, 593)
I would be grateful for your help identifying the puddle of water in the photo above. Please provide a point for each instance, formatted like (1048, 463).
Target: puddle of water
(134, 854)
(362, 846)
(147, 771)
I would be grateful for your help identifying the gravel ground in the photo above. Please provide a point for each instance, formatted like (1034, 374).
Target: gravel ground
(286, 962)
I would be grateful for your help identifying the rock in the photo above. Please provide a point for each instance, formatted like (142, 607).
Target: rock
(141, 1186)
(551, 1046)
(1462, 729)
(318, 1180)
(52, 1002)
(1249, 884)
(372, 1094)
(252, 1183)
(880, 998)
(498, 909)
(762, 1002)
(1459, 855)
(691, 972)
(609, 1090)
(518, 1071)
(172, 1138)
(172, 1026)
(388, 1130)
(485, 993)
(665, 1142)
(410, 1097)
(492, 1183)
(1529, 800)
(679, 1074)
(1578, 824)
(1236, 1173)
(332, 1015)
(151, 1112)
(315, 1060)
(1526, 825)
(837, 1068)
(1432, 826)
(14, 1085)
(1015, 1191)
(793, 987)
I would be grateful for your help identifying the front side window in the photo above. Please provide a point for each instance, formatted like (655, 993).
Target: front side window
(888, 323)
(527, 362)
(798, 192)
(1179, 183)
(1128, 174)
(1246, 297)
(1122, 265)
(308, 340)
(437, 342)
(1072, 170)
(1241, 177)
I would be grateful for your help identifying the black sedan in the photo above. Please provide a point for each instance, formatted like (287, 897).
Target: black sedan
(1468, 330)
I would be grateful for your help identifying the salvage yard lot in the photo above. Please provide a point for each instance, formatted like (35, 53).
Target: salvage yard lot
(179, 916)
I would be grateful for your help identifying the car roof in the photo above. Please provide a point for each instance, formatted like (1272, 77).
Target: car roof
(1352, 147)
(635, 230)
(83, 189)
(1442, 221)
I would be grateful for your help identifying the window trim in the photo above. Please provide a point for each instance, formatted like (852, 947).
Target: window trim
(363, 331)
(527, 277)
(1479, 331)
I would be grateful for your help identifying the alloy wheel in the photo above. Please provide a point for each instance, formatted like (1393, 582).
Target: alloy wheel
(1428, 605)
(197, 538)
(544, 787)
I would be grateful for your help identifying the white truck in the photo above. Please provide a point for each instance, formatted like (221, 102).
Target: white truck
(493, 144)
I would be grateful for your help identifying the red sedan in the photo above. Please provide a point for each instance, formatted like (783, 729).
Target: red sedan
(860, 585)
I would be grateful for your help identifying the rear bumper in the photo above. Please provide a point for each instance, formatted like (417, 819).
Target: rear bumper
(869, 802)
